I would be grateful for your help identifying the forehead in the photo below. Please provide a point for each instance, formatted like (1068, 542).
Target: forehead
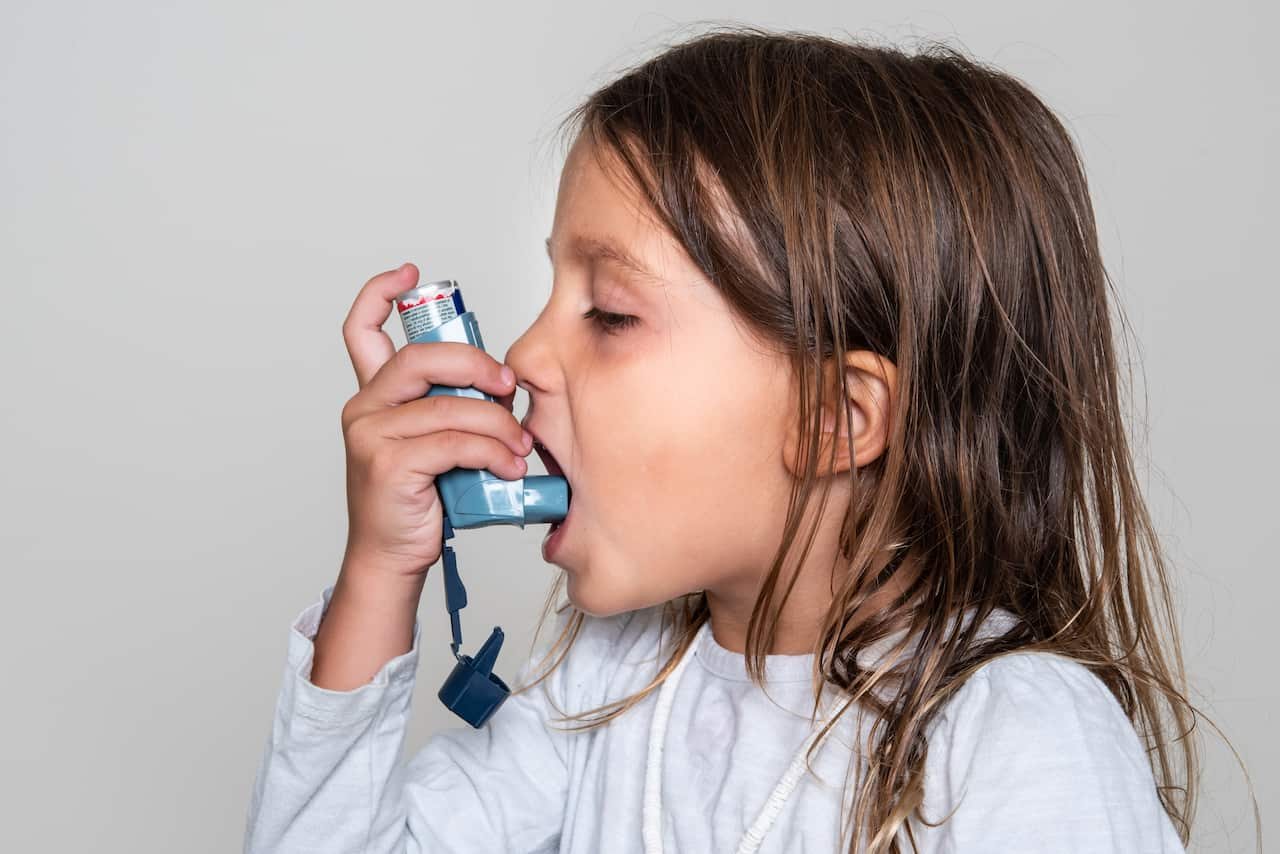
(601, 216)
(593, 248)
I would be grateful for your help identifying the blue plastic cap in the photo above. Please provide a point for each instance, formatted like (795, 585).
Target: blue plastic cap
(473, 691)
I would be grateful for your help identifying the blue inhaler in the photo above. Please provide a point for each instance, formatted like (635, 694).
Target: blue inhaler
(473, 498)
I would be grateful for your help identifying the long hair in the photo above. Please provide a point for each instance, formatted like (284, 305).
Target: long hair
(931, 209)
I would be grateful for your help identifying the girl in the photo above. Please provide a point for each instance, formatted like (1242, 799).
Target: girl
(856, 557)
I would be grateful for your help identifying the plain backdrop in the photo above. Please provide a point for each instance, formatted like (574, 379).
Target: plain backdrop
(192, 193)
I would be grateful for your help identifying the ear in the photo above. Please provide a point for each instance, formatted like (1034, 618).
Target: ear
(872, 382)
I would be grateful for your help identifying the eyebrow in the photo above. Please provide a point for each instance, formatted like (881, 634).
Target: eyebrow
(591, 248)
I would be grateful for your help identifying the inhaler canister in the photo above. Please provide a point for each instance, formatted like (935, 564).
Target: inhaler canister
(473, 498)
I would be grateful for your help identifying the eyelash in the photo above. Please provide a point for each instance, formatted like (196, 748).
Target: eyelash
(610, 323)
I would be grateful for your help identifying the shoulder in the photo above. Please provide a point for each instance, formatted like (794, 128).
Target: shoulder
(1034, 695)
(1034, 745)
(1037, 710)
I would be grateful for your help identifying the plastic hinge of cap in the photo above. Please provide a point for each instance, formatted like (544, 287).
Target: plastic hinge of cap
(473, 691)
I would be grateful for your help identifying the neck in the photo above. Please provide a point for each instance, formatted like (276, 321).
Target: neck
(800, 622)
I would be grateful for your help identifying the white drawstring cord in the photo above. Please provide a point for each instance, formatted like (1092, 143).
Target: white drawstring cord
(652, 819)
(755, 834)
(652, 826)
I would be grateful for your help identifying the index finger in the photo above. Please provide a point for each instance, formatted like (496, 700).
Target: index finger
(413, 371)
(367, 344)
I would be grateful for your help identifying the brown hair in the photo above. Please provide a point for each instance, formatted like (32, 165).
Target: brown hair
(931, 209)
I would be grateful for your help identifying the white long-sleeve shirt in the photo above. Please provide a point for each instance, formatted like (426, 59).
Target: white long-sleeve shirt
(1041, 751)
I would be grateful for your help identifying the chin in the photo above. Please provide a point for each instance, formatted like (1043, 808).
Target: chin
(595, 600)
(580, 598)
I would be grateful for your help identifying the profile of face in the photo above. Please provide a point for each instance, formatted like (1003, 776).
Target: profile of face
(667, 418)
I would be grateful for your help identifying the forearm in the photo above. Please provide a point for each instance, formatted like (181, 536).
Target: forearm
(330, 778)
(368, 622)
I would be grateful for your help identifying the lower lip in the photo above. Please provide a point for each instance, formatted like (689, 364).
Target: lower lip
(553, 539)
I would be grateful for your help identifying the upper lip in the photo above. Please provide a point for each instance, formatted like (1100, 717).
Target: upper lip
(544, 453)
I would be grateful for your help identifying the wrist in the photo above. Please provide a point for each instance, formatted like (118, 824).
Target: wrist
(369, 621)
(371, 584)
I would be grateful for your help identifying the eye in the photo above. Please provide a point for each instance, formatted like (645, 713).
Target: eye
(609, 323)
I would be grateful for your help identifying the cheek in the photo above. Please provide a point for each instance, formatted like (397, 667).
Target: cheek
(681, 452)
(689, 471)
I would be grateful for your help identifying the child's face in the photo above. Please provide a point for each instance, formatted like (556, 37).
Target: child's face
(670, 432)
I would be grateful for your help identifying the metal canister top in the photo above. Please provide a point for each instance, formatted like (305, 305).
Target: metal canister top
(429, 306)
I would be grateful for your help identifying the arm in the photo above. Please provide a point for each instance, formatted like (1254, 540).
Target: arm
(1036, 755)
(331, 778)
(369, 621)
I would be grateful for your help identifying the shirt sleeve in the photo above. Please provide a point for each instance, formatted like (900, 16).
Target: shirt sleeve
(331, 779)
(1034, 754)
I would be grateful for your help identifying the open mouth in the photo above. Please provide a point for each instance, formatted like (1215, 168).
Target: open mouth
(553, 468)
(548, 460)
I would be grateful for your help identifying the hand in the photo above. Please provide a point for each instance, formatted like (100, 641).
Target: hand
(398, 441)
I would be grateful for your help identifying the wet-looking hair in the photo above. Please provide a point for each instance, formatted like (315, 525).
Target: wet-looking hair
(929, 208)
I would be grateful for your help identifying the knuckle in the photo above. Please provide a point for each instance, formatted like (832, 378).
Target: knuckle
(357, 439)
(508, 418)
(441, 406)
(505, 424)
(349, 415)
(500, 412)
(456, 442)
(399, 357)
(475, 451)
(420, 359)
(422, 351)
(450, 445)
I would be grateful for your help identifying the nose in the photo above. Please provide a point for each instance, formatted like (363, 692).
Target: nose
(533, 359)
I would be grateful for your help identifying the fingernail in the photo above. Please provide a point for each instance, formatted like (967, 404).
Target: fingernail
(528, 439)
(507, 376)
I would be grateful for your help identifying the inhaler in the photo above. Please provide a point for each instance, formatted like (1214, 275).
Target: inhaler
(473, 498)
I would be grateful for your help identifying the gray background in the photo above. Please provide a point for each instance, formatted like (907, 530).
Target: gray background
(191, 195)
